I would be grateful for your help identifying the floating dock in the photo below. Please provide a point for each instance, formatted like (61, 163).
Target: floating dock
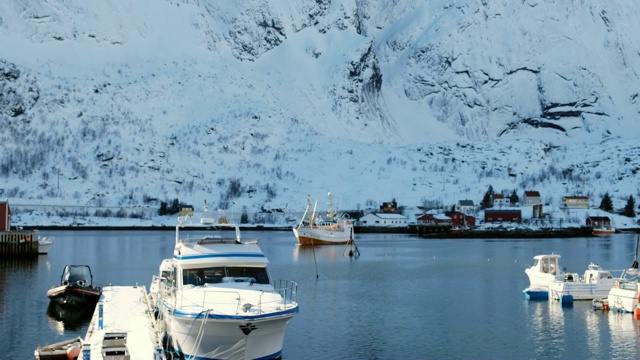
(19, 243)
(122, 327)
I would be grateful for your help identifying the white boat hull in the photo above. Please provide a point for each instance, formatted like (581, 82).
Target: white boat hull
(624, 297)
(579, 291)
(228, 339)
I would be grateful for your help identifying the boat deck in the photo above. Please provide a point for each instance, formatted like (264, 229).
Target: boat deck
(122, 326)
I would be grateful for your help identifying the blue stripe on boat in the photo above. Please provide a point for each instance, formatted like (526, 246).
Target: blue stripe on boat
(207, 256)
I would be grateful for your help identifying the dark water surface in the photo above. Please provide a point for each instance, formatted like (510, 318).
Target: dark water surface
(403, 298)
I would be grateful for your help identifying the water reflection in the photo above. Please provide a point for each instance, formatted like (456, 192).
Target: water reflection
(305, 253)
(624, 336)
(547, 326)
(68, 318)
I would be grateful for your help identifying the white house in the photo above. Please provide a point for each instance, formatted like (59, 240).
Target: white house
(531, 197)
(465, 206)
(499, 200)
(383, 220)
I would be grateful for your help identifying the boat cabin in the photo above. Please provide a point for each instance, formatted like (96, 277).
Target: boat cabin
(76, 274)
(595, 274)
(547, 264)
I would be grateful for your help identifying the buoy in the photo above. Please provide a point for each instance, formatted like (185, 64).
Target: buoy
(636, 313)
(605, 307)
(73, 352)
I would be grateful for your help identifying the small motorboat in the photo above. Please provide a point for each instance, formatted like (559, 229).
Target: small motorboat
(596, 283)
(44, 243)
(76, 287)
(545, 270)
(67, 349)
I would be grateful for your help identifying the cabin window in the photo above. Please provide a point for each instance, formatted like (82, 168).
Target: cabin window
(216, 275)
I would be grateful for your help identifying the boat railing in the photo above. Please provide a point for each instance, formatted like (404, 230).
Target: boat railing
(211, 298)
(288, 290)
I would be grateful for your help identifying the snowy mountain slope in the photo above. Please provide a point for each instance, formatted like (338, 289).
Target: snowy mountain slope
(258, 103)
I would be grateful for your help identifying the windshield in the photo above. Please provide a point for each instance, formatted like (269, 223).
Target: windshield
(221, 274)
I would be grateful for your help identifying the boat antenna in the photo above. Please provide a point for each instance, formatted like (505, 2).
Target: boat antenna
(635, 260)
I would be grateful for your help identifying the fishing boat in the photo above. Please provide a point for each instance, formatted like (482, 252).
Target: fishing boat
(76, 287)
(625, 293)
(595, 283)
(314, 229)
(215, 297)
(545, 270)
(603, 230)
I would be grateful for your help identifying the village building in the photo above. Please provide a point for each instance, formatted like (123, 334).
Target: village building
(575, 202)
(389, 207)
(492, 216)
(434, 220)
(458, 218)
(598, 221)
(383, 220)
(5, 216)
(499, 200)
(531, 197)
(465, 207)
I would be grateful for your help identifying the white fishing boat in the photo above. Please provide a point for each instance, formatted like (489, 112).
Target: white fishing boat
(44, 243)
(318, 230)
(595, 283)
(544, 271)
(625, 293)
(216, 300)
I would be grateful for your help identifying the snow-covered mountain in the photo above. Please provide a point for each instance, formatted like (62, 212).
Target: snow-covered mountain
(258, 103)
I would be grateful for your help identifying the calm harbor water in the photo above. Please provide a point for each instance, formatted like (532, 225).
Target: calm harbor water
(403, 298)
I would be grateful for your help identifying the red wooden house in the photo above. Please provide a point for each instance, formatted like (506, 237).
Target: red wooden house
(598, 221)
(434, 220)
(5, 216)
(458, 218)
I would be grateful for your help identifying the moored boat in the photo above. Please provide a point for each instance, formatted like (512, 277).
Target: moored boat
(76, 287)
(595, 283)
(625, 293)
(216, 300)
(67, 349)
(603, 230)
(317, 230)
(44, 243)
(545, 270)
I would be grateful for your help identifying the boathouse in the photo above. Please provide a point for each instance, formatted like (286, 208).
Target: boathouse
(492, 216)
(12, 242)
(598, 221)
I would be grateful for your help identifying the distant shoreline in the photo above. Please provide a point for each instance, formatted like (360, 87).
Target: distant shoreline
(481, 234)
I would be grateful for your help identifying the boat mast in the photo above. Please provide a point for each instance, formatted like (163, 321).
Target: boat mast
(330, 207)
(635, 260)
(313, 215)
